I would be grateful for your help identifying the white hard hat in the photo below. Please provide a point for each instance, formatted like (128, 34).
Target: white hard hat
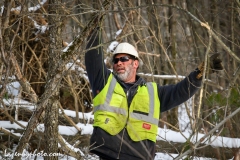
(128, 49)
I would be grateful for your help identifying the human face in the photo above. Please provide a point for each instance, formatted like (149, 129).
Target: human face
(125, 69)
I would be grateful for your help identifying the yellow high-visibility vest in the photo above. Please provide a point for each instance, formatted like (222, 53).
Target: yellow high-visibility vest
(112, 114)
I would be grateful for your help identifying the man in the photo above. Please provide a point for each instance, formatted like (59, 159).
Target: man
(126, 108)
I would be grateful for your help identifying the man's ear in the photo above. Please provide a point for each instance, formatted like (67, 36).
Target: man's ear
(136, 63)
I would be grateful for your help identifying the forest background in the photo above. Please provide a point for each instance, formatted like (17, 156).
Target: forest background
(44, 82)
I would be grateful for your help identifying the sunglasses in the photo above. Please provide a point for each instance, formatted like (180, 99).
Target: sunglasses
(122, 59)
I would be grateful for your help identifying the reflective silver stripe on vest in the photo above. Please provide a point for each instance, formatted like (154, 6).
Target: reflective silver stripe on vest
(106, 106)
(148, 118)
(110, 90)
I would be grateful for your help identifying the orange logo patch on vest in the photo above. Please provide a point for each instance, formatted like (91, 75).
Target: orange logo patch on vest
(146, 126)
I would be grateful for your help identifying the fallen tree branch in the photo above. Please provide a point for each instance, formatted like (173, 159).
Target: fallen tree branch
(7, 132)
(68, 149)
(69, 119)
(208, 134)
(11, 118)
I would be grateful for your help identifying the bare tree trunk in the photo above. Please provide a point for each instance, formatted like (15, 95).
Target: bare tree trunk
(51, 128)
(51, 116)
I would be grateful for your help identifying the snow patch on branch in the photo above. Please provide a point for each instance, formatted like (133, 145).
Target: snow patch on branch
(112, 47)
(33, 9)
(40, 29)
(77, 150)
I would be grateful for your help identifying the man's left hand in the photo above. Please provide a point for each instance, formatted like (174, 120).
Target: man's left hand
(215, 63)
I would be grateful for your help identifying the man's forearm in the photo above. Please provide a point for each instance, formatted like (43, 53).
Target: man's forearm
(94, 61)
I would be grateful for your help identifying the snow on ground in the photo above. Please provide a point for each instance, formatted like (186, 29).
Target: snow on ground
(163, 134)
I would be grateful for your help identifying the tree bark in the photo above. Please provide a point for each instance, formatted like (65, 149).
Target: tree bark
(51, 116)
